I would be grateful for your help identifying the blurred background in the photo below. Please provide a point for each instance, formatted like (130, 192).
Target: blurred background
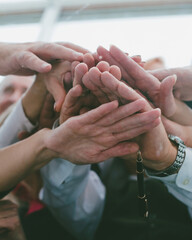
(150, 28)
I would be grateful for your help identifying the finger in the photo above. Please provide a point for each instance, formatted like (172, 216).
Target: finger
(166, 98)
(136, 121)
(57, 51)
(130, 134)
(93, 83)
(103, 66)
(121, 149)
(137, 58)
(57, 91)
(80, 70)
(115, 71)
(73, 66)
(67, 81)
(75, 47)
(106, 56)
(71, 106)
(97, 113)
(28, 60)
(122, 112)
(89, 60)
(161, 73)
(142, 79)
(118, 88)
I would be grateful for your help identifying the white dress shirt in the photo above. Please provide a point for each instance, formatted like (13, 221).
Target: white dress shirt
(15, 123)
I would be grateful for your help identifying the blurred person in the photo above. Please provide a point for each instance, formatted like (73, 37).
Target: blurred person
(154, 63)
(12, 88)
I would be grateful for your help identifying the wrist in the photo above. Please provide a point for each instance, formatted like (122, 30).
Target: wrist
(176, 164)
(36, 94)
(43, 153)
(168, 159)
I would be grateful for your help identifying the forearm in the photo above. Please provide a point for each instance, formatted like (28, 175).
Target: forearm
(183, 114)
(5, 55)
(19, 159)
(181, 72)
(33, 100)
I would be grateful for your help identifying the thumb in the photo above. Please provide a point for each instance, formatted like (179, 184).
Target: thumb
(166, 98)
(30, 61)
(57, 91)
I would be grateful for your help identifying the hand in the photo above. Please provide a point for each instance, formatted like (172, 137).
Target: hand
(29, 58)
(60, 79)
(54, 82)
(47, 115)
(158, 152)
(183, 86)
(159, 93)
(99, 134)
(92, 81)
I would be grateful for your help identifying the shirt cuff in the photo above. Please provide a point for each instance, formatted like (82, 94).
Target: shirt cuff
(183, 179)
(57, 171)
(184, 176)
(15, 123)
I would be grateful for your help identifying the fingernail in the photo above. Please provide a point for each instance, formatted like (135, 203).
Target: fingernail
(78, 55)
(175, 76)
(55, 106)
(45, 65)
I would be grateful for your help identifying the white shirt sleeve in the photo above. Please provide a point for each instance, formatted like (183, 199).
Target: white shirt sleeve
(13, 125)
(75, 195)
(180, 184)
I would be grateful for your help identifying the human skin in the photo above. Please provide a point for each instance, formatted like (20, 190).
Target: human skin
(158, 152)
(87, 138)
(180, 130)
(183, 86)
(11, 89)
(30, 58)
(159, 93)
(82, 139)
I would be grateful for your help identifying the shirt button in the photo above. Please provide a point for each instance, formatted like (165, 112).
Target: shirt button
(186, 181)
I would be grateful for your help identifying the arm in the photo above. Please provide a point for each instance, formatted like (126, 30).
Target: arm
(183, 85)
(29, 58)
(82, 139)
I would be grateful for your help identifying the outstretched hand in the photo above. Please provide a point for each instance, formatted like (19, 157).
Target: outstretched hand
(183, 87)
(30, 58)
(158, 93)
